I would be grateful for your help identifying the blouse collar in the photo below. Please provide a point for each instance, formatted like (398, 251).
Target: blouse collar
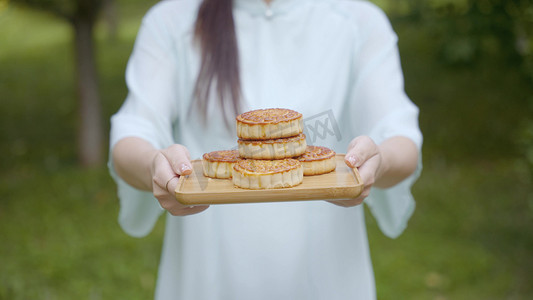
(259, 7)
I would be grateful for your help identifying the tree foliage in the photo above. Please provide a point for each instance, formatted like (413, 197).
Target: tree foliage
(473, 32)
(469, 31)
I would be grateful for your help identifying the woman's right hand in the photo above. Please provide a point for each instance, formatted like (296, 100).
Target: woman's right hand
(167, 165)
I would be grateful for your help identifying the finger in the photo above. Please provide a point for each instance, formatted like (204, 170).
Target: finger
(169, 202)
(367, 171)
(187, 210)
(347, 203)
(179, 158)
(360, 150)
(163, 175)
(172, 184)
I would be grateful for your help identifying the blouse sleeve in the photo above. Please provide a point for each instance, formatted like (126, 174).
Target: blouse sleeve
(148, 112)
(383, 110)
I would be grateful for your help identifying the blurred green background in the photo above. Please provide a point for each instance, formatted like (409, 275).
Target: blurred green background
(468, 66)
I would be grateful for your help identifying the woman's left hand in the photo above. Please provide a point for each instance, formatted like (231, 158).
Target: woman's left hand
(364, 155)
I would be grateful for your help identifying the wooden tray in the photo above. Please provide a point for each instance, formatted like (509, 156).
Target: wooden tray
(196, 189)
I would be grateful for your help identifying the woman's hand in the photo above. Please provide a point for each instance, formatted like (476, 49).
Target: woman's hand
(167, 165)
(364, 155)
(383, 165)
(143, 167)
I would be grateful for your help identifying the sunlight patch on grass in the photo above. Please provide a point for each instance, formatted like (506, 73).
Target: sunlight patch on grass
(26, 31)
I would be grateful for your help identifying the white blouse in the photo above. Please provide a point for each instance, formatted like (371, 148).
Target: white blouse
(336, 62)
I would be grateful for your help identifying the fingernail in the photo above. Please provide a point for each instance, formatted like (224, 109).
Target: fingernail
(184, 168)
(352, 160)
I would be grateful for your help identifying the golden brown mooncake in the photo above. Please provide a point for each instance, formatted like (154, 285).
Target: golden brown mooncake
(267, 174)
(219, 164)
(271, 123)
(317, 160)
(274, 148)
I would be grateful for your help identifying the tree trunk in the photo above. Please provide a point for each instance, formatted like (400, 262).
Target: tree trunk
(111, 18)
(90, 128)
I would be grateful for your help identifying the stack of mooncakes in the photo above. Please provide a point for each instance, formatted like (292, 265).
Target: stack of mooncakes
(272, 152)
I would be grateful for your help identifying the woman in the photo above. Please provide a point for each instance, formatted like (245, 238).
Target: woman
(193, 67)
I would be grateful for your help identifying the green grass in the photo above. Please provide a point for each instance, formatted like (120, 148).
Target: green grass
(468, 239)
(61, 240)
(470, 236)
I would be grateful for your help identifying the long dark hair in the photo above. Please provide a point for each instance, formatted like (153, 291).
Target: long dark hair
(215, 32)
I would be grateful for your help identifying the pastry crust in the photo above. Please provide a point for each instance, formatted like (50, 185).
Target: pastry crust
(273, 149)
(318, 160)
(219, 164)
(271, 123)
(267, 174)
